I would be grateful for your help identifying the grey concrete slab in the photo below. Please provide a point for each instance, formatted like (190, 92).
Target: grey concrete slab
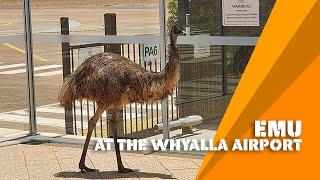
(147, 167)
(184, 174)
(41, 161)
(106, 162)
(197, 161)
(12, 163)
(176, 163)
(70, 170)
(67, 153)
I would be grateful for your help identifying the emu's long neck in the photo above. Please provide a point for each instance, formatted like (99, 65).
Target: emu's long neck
(172, 67)
(163, 82)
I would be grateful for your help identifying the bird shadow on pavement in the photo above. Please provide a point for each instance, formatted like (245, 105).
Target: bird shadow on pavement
(112, 175)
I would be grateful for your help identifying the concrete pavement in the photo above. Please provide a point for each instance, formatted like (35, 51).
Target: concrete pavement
(60, 161)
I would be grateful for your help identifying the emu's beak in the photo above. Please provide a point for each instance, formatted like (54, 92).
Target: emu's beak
(184, 33)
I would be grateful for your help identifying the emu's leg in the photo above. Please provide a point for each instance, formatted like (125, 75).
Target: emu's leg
(91, 126)
(114, 123)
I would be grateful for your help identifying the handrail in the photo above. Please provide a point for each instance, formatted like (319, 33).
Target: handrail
(136, 39)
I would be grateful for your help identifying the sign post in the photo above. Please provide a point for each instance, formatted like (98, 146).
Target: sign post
(237, 13)
(30, 67)
(163, 45)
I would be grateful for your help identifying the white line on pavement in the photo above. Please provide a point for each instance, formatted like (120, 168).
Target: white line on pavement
(12, 65)
(40, 120)
(35, 69)
(52, 73)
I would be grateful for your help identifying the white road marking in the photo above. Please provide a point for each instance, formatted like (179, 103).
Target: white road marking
(12, 66)
(40, 120)
(18, 71)
(72, 24)
(52, 73)
(6, 132)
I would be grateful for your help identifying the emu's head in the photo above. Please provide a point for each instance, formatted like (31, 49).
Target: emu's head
(176, 31)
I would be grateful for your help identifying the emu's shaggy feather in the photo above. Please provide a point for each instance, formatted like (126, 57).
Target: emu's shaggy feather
(107, 77)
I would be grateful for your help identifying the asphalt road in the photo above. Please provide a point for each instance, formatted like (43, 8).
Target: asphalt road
(48, 66)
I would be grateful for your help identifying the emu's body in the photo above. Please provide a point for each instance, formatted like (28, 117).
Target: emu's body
(113, 81)
(107, 77)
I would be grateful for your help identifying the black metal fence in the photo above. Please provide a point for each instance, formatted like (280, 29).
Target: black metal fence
(136, 120)
(206, 85)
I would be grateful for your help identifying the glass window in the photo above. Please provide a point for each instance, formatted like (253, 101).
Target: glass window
(13, 80)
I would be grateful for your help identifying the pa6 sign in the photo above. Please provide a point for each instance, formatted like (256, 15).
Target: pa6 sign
(150, 52)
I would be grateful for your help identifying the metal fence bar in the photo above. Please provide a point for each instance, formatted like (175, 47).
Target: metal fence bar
(176, 102)
(101, 129)
(150, 68)
(136, 39)
(130, 108)
(136, 107)
(107, 122)
(30, 67)
(153, 39)
(81, 117)
(74, 102)
(157, 103)
(94, 110)
(164, 106)
(88, 113)
(147, 110)
(141, 107)
(125, 107)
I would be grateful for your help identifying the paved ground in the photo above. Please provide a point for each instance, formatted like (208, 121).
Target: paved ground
(53, 161)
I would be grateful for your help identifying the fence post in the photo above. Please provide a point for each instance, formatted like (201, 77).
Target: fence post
(163, 46)
(30, 68)
(66, 64)
(110, 28)
(224, 87)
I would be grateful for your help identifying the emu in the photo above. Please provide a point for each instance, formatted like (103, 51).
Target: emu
(113, 81)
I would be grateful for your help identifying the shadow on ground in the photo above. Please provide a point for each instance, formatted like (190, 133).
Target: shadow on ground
(112, 175)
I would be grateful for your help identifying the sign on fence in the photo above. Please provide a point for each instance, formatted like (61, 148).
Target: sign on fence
(240, 12)
(149, 52)
(201, 50)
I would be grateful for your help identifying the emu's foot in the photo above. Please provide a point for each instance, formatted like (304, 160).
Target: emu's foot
(124, 170)
(85, 169)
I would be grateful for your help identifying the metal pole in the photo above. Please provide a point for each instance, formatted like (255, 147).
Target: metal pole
(223, 59)
(30, 65)
(164, 103)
